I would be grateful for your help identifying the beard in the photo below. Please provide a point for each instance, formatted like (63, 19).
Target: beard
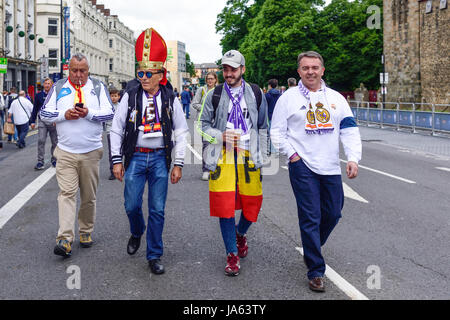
(232, 81)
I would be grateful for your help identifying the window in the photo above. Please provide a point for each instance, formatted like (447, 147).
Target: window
(53, 58)
(52, 27)
(110, 43)
(111, 65)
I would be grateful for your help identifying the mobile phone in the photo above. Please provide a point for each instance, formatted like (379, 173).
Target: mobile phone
(79, 105)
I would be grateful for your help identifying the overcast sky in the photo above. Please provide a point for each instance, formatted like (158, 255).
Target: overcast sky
(188, 21)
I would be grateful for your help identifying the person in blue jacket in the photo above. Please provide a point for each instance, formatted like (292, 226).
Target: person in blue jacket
(186, 100)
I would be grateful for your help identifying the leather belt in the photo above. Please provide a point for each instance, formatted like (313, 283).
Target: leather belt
(146, 150)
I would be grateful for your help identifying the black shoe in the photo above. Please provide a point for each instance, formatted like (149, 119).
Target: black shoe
(155, 266)
(133, 245)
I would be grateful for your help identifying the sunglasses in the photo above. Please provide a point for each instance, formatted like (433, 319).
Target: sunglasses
(148, 74)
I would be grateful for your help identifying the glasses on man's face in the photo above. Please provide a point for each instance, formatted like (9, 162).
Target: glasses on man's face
(148, 74)
(210, 79)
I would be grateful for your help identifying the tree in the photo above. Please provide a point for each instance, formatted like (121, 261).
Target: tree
(280, 31)
(190, 67)
(233, 20)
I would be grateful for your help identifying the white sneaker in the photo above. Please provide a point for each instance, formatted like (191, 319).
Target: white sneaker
(205, 176)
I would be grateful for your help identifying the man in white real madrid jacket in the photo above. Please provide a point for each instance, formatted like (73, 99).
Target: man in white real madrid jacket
(78, 105)
(307, 124)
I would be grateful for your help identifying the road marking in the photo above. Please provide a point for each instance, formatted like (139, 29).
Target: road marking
(199, 157)
(348, 192)
(443, 169)
(340, 282)
(352, 194)
(16, 203)
(384, 173)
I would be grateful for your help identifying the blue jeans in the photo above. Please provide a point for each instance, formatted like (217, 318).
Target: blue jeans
(22, 131)
(320, 199)
(229, 228)
(147, 167)
(186, 110)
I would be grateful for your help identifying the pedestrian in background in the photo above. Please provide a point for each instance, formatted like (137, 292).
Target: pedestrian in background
(115, 97)
(9, 99)
(272, 96)
(307, 124)
(19, 113)
(292, 82)
(186, 100)
(43, 128)
(211, 82)
(78, 105)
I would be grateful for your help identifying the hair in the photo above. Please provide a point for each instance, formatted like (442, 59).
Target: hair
(310, 54)
(212, 73)
(13, 89)
(47, 79)
(114, 91)
(273, 83)
(292, 82)
(79, 57)
(22, 93)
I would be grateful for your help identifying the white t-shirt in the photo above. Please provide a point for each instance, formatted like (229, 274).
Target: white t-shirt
(244, 141)
(21, 116)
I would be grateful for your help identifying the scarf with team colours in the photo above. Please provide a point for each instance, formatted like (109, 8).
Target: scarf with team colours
(318, 118)
(79, 95)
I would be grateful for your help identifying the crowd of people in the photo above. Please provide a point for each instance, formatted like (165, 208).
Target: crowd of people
(241, 126)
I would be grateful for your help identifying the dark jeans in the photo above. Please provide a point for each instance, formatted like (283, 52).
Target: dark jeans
(320, 199)
(186, 110)
(22, 131)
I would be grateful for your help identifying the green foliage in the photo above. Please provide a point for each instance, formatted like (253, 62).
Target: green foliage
(190, 67)
(271, 34)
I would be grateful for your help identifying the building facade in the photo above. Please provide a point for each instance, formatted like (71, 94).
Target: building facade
(416, 48)
(19, 44)
(202, 69)
(176, 64)
(105, 41)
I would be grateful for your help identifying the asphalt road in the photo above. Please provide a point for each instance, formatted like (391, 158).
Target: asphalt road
(392, 246)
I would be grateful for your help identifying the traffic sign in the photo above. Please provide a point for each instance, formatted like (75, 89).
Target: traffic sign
(386, 78)
(65, 67)
(3, 65)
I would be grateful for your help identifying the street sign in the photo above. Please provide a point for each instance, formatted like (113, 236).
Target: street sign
(3, 65)
(65, 67)
(383, 90)
(386, 78)
(44, 68)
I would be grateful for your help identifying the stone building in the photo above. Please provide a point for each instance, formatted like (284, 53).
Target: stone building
(416, 49)
(19, 44)
(176, 64)
(101, 37)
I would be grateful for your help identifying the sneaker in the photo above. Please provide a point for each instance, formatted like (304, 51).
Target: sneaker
(205, 176)
(241, 242)
(39, 166)
(233, 265)
(63, 248)
(86, 240)
(54, 163)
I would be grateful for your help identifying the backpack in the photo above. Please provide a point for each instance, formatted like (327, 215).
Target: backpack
(218, 92)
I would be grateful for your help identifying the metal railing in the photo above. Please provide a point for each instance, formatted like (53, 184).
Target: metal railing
(424, 116)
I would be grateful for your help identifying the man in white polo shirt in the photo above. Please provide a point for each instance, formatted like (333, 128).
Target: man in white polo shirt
(307, 124)
(78, 105)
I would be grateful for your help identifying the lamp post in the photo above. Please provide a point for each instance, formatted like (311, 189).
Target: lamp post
(61, 38)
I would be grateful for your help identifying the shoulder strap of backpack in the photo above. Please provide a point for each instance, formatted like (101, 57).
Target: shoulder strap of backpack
(216, 98)
(257, 93)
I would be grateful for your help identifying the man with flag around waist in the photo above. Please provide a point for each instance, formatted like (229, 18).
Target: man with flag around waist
(234, 155)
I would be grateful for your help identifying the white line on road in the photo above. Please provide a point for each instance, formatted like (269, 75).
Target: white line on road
(199, 157)
(384, 173)
(443, 169)
(16, 203)
(340, 282)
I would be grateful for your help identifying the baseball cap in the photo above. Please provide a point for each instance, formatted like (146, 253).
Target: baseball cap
(233, 58)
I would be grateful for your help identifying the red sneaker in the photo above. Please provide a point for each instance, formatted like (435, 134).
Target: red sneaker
(241, 242)
(233, 265)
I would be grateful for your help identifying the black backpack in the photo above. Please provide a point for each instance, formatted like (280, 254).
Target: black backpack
(218, 92)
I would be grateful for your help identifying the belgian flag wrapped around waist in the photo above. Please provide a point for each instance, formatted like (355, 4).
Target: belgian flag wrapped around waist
(227, 194)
